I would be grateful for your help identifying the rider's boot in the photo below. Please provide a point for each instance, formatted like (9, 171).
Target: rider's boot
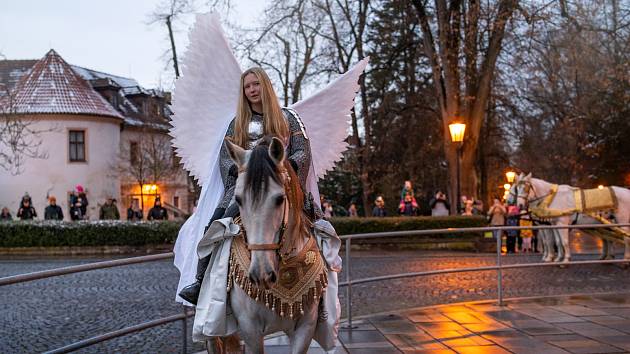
(190, 293)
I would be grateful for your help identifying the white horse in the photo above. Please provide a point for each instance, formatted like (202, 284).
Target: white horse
(528, 192)
(271, 206)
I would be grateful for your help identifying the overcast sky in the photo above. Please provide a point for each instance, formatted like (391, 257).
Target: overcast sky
(111, 36)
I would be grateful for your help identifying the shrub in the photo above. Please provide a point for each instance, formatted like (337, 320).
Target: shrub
(347, 226)
(124, 233)
(86, 233)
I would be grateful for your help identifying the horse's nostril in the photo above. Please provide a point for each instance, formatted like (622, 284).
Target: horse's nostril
(271, 276)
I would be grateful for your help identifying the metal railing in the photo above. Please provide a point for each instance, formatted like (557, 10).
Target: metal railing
(349, 282)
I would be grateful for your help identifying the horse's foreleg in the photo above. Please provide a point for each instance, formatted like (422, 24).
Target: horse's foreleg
(557, 243)
(564, 238)
(546, 236)
(255, 346)
(305, 330)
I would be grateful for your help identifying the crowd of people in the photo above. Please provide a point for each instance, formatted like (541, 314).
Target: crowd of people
(78, 209)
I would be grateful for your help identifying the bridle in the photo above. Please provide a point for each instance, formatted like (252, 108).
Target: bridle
(528, 187)
(283, 225)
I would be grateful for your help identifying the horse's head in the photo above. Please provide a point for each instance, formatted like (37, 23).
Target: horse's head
(520, 190)
(262, 200)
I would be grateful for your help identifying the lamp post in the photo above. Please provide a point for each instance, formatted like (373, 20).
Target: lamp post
(457, 136)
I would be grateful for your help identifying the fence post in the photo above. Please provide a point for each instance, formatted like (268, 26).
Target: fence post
(349, 281)
(499, 234)
(185, 331)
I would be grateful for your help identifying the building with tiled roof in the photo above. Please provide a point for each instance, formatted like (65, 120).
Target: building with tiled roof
(92, 127)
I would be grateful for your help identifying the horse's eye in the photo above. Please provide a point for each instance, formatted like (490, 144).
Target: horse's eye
(279, 200)
(237, 199)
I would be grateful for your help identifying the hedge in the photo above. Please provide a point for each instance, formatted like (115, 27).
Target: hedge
(123, 233)
(87, 233)
(347, 226)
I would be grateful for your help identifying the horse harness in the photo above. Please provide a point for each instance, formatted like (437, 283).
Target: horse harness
(302, 278)
(587, 201)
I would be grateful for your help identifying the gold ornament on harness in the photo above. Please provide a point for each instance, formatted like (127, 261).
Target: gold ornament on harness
(302, 279)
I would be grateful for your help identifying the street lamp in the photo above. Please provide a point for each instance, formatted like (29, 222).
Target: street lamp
(457, 136)
(510, 176)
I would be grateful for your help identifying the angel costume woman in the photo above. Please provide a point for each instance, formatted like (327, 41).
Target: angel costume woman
(204, 103)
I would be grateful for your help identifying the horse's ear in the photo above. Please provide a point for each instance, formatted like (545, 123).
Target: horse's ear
(237, 153)
(529, 176)
(276, 151)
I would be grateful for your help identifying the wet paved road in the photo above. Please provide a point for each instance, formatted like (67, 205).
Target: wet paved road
(46, 314)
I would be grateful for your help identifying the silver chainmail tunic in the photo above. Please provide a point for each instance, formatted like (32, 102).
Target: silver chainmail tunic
(298, 151)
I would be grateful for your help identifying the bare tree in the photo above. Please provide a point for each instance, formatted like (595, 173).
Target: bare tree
(19, 138)
(167, 12)
(148, 160)
(462, 40)
(286, 46)
(344, 35)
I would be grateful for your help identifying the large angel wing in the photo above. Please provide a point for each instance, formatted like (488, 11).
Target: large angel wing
(326, 115)
(205, 97)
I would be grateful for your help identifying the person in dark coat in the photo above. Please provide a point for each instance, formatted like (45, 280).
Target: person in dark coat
(379, 209)
(109, 210)
(76, 210)
(5, 215)
(26, 210)
(408, 207)
(512, 235)
(134, 213)
(53, 211)
(157, 212)
(439, 205)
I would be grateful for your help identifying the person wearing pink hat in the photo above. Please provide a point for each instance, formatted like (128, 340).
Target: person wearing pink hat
(79, 192)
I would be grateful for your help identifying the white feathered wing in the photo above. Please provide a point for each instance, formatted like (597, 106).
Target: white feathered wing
(326, 116)
(205, 96)
(204, 101)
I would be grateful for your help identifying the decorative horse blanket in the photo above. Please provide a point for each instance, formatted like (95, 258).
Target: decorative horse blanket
(586, 201)
(589, 202)
(595, 199)
(302, 279)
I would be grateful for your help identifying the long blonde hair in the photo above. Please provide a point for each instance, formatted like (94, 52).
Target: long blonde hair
(273, 120)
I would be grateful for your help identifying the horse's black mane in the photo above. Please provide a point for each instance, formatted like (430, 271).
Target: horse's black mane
(260, 168)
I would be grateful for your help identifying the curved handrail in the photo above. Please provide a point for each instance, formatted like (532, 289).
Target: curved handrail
(348, 283)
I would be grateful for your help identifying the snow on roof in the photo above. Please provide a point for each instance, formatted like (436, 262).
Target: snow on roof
(11, 71)
(52, 86)
(89, 74)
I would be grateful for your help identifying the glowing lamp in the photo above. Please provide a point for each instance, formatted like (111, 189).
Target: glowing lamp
(457, 132)
(510, 176)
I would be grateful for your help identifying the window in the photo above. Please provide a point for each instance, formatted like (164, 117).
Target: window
(76, 140)
(133, 152)
(176, 201)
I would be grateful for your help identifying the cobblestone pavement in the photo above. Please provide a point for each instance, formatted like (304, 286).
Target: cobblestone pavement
(45, 314)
